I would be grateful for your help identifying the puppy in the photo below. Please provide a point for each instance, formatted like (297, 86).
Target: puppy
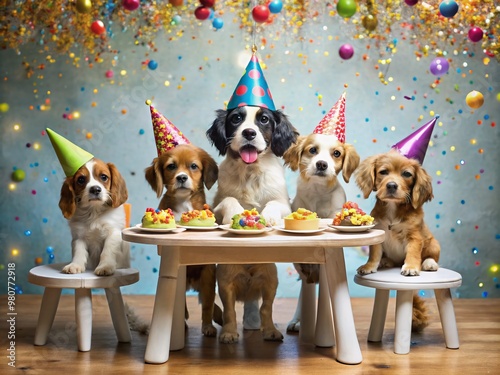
(91, 200)
(320, 158)
(402, 186)
(252, 139)
(184, 171)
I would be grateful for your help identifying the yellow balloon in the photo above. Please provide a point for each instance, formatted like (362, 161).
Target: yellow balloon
(83, 6)
(369, 22)
(474, 99)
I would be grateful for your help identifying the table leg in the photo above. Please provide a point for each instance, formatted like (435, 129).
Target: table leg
(179, 326)
(348, 350)
(324, 336)
(158, 346)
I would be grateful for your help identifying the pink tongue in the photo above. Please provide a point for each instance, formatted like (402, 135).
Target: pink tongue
(248, 155)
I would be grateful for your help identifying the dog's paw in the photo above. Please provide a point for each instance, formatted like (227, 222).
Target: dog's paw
(208, 330)
(293, 326)
(272, 216)
(430, 265)
(273, 335)
(409, 270)
(105, 270)
(366, 269)
(228, 337)
(73, 268)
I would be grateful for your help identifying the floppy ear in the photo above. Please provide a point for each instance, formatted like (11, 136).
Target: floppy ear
(210, 169)
(422, 190)
(67, 201)
(119, 193)
(365, 175)
(351, 161)
(293, 154)
(154, 177)
(284, 134)
(217, 132)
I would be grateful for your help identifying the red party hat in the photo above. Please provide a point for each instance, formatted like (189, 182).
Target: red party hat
(167, 136)
(334, 121)
(415, 145)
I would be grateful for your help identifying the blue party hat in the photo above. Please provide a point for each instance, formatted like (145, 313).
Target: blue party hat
(252, 88)
(415, 145)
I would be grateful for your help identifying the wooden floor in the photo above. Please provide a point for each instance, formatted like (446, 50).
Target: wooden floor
(478, 324)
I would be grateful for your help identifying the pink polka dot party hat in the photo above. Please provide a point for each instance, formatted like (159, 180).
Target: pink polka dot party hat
(334, 121)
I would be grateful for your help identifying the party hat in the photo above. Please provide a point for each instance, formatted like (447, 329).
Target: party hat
(415, 145)
(70, 155)
(252, 88)
(167, 136)
(334, 121)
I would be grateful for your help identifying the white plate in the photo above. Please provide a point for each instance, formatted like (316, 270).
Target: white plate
(192, 227)
(307, 231)
(159, 230)
(227, 227)
(353, 228)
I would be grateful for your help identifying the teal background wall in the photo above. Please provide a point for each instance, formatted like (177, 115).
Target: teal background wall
(196, 75)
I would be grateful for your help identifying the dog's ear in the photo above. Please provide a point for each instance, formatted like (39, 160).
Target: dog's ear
(351, 161)
(67, 202)
(119, 193)
(293, 154)
(422, 189)
(210, 169)
(365, 175)
(154, 177)
(284, 134)
(217, 132)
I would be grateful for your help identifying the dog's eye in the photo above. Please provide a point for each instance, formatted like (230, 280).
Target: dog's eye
(264, 120)
(171, 166)
(193, 166)
(336, 153)
(81, 180)
(406, 174)
(236, 118)
(383, 172)
(313, 151)
(104, 178)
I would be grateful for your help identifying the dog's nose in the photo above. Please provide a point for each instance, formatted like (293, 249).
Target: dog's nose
(96, 190)
(181, 178)
(249, 134)
(321, 165)
(391, 187)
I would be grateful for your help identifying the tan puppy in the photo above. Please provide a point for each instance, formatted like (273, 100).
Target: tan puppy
(184, 171)
(402, 186)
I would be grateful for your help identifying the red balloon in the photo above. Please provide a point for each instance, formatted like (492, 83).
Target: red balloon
(207, 3)
(131, 4)
(475, 34)
(202, 13)
(260, 13)
(97, 27)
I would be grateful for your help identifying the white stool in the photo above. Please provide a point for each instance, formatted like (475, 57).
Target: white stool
(389, 279)
(51, 277)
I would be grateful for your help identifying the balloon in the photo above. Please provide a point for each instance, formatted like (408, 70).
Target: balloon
(97, 27)
(18, 175)
(346, 51)
(475, 34)
(369, 22)
(176, 19)
(217, 23)
(83, 6)
(439, 66)
(448, 8)
(275, 6)
(176, 3)
(109, 74)
(260, 13)
(474, 99)
(152, 64)
(202, 13)
(346, 8)
(411, 2)
(131, 4)
(207, 3)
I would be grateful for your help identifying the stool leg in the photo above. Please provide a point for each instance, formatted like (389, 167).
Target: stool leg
(447, 315)
(378, 315)
(324, 336)
(178, 323)
(404, 312)
(50, 301)
(118, 315)
(307, 312)
(83, 313)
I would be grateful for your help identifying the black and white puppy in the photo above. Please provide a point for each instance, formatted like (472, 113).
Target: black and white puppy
(252, 175)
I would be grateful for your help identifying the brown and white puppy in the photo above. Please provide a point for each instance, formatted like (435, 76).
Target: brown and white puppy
(184, 171)
(252, 175)
(320, 158)
(91, 200)
(402, 186)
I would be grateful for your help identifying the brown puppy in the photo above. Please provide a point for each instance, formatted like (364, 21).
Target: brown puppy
(402, 186)
(184, 171)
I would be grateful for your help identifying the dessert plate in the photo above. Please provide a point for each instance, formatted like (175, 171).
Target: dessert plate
(190, 227)
(159, 230)
(306, 231)
(353, 228)
(227, 227)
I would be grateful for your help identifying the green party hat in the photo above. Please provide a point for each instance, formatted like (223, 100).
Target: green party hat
(70, 155)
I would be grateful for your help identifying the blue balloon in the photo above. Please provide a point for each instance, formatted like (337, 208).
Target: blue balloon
(152, 64)
(448, 8)
(217, 23)
(275, 6)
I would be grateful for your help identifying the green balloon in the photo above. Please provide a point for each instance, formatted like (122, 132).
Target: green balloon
(18, 175)
(346, 8)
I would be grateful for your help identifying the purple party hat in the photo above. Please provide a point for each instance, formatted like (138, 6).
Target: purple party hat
(252, 88)
(415, 145)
